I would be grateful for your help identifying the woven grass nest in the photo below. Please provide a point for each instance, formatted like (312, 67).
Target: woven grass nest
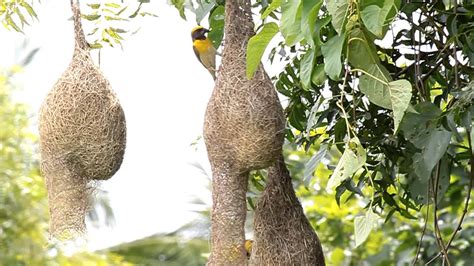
(82, 137)
(243, 130)
(244, 124)
(283, 235)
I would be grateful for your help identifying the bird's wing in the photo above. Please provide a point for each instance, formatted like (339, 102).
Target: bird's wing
(196, 52)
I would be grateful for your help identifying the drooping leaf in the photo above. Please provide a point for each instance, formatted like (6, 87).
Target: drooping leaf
(352, 159)
(312, 164)
(400, 95)
(320, 23)
(433, 144)
(332, 51)
(11, 23)
(29, 9)
(339, 10)
(377, 84)
(203, 9)
(94, 6)
(179, 5)
(257, 45)
(309, 16)
(318, 76)
(290, 22)
(216, 24)
(374, 17)
(91, 17)
(413, 124)
(363, 225)
(272, 7)
(112, 5)
(306, 68)
(377, 92)
(312, 118)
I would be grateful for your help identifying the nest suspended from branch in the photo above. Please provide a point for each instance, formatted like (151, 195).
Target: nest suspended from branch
(283, 235)
(244, 124)
(243, 130)
(82, 137)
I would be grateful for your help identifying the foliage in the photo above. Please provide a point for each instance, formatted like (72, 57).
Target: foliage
(15, 14)
(111, 19)
(386, 88)
(23, 199)
(166, 250)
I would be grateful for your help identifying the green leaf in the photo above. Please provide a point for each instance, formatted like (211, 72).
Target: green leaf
(319, 25)
(306, 68)
(332, 51)
(110, 18)
(290, 22)
(309, 16)
(433, 144)
(272, 7)
(363, 225)
(95, 46)
(374, 17)
(91, 17)
(363, 56)
(112, 5)
(257, 45)
(178, 4)
(28, 8)
(94, 6)
(352, 159)
(203, 9)
(400, 96)
(21, 16)
(12, 23)
(318, 76)
(312, 164)
(377, 92)
(216, 24)
(362, 52)
(414, 123)
(339, 10)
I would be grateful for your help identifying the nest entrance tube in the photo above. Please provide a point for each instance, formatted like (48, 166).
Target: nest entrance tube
(82, 138)
(243, 131)
(283, 235)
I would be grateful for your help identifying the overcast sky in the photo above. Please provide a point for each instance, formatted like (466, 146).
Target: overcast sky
(163, 90)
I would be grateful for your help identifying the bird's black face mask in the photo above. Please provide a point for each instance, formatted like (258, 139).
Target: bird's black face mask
(199, 34)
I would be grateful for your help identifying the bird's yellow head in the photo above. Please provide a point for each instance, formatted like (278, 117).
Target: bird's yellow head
(199, 33)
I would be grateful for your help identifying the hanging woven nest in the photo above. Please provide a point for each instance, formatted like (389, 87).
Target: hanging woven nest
(82, 137)
(283, 235)
(243, 130)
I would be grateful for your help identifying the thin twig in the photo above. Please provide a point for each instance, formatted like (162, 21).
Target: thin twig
(456, 77)
(418, 249)
(438, 236)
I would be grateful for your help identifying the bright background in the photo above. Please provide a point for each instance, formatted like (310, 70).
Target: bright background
(163, 90)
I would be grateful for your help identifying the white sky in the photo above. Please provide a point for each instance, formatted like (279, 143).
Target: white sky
(163, 90)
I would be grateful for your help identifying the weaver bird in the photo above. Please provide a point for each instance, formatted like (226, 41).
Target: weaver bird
(248, 247)
(204, 50)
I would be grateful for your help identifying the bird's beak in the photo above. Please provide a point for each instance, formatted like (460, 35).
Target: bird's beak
(205, 30)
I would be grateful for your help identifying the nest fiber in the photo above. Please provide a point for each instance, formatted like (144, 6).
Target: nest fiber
(82, 137)
(283, 235)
